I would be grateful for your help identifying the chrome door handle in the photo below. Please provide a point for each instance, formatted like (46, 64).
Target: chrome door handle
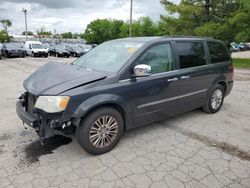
(185, 77)
(172, 79)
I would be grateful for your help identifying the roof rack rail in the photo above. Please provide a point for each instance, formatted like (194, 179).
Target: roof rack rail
(183, 36)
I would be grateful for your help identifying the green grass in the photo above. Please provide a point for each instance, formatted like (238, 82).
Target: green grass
(241, 63)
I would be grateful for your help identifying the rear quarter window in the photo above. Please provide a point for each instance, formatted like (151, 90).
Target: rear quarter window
(191, 54)
(218, 52)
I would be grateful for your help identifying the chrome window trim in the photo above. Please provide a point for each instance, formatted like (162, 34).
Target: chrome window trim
(150, 75)
(170, 99)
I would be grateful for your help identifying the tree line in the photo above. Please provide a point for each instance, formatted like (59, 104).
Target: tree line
(227, 20)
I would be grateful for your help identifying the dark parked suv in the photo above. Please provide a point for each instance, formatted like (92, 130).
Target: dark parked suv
(123, 84)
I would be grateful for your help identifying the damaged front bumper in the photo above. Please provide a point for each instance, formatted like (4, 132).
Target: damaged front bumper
(45, 126)
(25, 116)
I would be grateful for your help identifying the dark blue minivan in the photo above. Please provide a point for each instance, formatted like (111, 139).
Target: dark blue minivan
(123, 84)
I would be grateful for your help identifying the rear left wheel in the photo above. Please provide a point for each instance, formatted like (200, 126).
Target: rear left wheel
(100, 131)
(215, 100)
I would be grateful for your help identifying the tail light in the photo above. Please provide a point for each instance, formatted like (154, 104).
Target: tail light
(232, 71)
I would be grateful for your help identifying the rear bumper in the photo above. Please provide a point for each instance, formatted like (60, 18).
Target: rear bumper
(229, 87)
(26, 117)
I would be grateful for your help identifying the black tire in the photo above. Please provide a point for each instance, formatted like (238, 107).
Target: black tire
(208, 107)
(7, 54)
(83, 130)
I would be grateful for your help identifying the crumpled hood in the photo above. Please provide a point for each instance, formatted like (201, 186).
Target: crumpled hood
(55, 78)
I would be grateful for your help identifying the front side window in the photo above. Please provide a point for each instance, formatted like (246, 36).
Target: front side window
(218, 52)
(159, 58)
(191, 54)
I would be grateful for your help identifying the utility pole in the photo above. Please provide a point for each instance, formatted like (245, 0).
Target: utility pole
(131, 15)
(207, 10)
(26, 28)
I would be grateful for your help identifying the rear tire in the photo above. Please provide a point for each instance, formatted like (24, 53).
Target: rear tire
(214, 100)
(100, 131)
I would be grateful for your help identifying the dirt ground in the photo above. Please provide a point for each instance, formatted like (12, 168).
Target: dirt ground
(194, 149)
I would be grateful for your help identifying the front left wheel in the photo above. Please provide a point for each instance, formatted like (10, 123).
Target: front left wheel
(100, 131)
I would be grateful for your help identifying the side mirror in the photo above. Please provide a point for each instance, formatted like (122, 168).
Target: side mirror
(142, 70)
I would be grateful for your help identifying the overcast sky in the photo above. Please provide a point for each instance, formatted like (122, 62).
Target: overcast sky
(73, 15)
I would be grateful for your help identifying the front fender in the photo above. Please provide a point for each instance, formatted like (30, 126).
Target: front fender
(102, 99)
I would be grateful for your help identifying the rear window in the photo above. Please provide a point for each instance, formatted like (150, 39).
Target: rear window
(191, 54)
(218, 52)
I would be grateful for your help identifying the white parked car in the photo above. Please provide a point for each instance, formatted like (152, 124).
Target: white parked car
(35, 48)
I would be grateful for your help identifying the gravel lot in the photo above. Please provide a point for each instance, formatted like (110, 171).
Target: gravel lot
(194, 149)
(241, 55)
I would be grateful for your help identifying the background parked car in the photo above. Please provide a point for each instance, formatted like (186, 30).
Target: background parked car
(85, 47)
(243, 46)
(234, 47)
(13, 50)
(59, 51)
(75, 51)
(46, 46)
(35, 48)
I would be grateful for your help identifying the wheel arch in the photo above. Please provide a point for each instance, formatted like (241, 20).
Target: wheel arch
(112, 105)
(221, 80)
(223, 83)
(105, 100)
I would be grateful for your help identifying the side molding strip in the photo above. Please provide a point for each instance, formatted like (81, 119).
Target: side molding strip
(170, 99)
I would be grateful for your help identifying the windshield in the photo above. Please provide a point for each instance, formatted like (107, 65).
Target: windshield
(109, 56)
(60, 48)
(14, 45)
(38, 46)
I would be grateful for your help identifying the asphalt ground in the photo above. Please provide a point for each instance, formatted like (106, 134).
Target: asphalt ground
(194, 149)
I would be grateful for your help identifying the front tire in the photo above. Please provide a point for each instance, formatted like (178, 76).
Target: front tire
(100, 131)
(215, 100)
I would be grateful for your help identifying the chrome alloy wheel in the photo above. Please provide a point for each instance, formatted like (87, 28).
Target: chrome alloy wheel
(103, 131)
(216, 99)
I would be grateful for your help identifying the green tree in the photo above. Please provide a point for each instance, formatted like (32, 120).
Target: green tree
(43, 32)
(4, 37)
(227, 20)
(148, 27)
(116, 28)
(6, 23)
(99, 30)
(67, 35)
(29, 33)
